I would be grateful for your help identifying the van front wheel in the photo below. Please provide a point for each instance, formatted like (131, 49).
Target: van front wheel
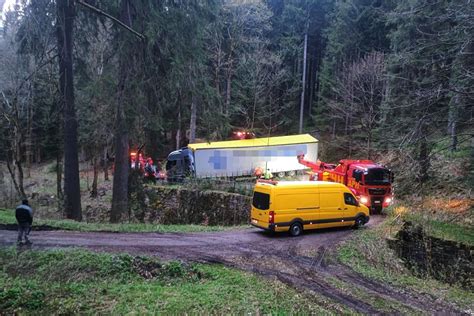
(296, 229)
(359, 222)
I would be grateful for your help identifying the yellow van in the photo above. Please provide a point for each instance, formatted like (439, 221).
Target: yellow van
(295, 206)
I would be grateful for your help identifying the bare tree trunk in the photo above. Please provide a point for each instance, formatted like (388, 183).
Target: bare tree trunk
(217, 71)
(18, 186)
(29, 145)
(303, 82)
(254, 108)
(192, 123)
(96, 176)
(72, 191)
(121, 171)
(38, 155)
(106, 165)
(20, 178)
(312, 71)
(452, 122)
(228, 91)
(369, 144)
(229, 77)
(346, 124)
(333, 134)
(178, 131)
(423, 158)
(471, 171)
(59, 179)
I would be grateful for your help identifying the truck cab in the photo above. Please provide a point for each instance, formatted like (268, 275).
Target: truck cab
(180, 164)
(373, 185)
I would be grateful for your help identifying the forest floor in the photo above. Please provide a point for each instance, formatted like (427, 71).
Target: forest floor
(321, 263)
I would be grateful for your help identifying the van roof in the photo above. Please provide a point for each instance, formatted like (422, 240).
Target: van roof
(300, 184)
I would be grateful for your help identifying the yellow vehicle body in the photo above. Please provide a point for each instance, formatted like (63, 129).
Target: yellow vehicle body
(295, 206)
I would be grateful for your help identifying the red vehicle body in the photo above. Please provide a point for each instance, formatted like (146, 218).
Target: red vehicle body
(370, 182)
(141, 163)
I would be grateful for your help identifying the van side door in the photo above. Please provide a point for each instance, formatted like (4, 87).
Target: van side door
(297, 205)
(308, 209)
(331, 208)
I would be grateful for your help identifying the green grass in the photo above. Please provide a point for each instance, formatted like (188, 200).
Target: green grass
(368, 253)
(441, 229)
(77, 281)
(463, 149)
(8, 217)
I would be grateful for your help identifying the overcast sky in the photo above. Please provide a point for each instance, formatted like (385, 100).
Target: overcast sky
(5, 5)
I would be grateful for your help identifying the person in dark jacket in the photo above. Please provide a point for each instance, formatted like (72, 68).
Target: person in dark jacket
(24, 217)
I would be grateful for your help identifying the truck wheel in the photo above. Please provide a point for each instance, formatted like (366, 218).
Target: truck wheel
(296, 229)
(291, 173)
(281, 174)
(359, 222)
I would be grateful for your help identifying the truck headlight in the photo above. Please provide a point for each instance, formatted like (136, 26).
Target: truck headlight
(364, 200)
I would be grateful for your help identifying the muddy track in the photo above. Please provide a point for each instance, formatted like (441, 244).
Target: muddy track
(304, 262)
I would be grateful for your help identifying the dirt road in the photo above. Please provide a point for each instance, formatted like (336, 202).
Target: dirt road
(300, 262)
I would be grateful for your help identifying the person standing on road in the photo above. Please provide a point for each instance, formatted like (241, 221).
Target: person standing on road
(24, 217)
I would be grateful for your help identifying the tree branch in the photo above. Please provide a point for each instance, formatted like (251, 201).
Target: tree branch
(100, 12)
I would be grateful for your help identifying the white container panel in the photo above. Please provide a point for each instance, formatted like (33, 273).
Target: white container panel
(243, 161)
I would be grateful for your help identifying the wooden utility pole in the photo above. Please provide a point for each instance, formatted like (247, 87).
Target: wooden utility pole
(72, 190)
(192, 121)
(303, 80)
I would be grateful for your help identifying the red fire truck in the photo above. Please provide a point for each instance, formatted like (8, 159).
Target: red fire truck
(370, 182)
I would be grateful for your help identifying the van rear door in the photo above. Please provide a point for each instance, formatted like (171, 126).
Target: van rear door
(260, 208)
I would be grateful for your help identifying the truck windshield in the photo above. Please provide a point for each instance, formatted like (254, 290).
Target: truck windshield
(170, 164)
(377, 176)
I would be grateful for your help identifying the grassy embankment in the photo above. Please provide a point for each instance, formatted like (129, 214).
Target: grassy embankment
(8, 217)
(369, 254)
(77, 281)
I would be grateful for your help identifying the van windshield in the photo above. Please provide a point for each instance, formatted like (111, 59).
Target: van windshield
(261, 201)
